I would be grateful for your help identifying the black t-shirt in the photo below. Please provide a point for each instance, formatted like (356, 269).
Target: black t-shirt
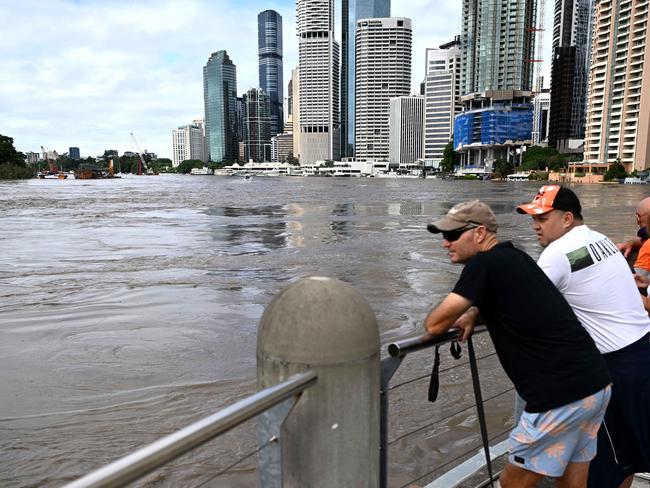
(544, 350)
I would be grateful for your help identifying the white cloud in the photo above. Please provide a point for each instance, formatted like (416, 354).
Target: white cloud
(87, 72)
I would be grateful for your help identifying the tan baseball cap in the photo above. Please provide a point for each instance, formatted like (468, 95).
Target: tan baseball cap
(466, 214)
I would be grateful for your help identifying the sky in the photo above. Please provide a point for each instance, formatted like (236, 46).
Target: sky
(87, 73)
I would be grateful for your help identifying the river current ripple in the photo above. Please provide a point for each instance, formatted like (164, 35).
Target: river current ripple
(129, 308)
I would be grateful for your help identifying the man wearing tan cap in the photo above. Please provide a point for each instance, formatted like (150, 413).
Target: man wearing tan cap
(543, 349)
(594, 277)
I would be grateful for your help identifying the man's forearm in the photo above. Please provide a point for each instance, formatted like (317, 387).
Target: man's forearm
(446, 313)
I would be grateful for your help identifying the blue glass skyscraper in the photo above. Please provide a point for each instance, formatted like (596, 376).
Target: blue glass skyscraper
(353, 10)
(220, 99)
(269, 43)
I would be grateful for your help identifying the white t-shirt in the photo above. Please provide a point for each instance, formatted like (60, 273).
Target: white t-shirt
(595, 279)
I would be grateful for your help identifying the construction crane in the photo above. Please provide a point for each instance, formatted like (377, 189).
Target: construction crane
(51, 163)
(142, 162)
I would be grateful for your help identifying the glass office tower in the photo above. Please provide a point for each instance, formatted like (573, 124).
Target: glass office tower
(269, 42)
(220, 100)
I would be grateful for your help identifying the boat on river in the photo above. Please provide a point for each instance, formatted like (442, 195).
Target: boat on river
(201, 171)
(53, 176)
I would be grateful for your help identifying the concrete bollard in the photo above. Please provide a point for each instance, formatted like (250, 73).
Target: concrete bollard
(331, 438)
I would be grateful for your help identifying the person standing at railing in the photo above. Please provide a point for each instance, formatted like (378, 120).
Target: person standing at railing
(543, 349)
(594, 277)
(642, 263)
(642, 211)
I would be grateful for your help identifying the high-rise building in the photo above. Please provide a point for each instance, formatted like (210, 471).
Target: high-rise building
(187, 143)
(288, 108)
(569, 71)
(617, 125)
(31, 157)
(494, 125)
(73, 153)
(383, 71)
(541, 108)
(201, 124)
(295, 111)
(441, 98)
(220, 99)
(405, 134)
(352, 11)
(497, 45)
(318, 57)
(269, 48)
(257, 126)
(274, 149)
(285, 147)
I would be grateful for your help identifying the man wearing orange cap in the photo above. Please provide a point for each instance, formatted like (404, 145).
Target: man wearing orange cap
(543, 349)
(591, 273)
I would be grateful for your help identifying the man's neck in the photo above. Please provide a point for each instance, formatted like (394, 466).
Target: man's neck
(489, 243)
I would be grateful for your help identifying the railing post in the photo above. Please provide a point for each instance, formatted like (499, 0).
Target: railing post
(331, 438)
(388, 368)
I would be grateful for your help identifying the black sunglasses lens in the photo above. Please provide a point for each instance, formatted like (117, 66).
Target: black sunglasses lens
(452, 235)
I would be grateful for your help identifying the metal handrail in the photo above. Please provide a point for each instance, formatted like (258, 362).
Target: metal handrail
(397, 351)
(160, 452)
(412, 344)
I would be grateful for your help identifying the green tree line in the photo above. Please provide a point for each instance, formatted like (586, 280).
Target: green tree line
(12, 162)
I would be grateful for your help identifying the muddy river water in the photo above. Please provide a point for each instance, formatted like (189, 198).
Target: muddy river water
(129, 308)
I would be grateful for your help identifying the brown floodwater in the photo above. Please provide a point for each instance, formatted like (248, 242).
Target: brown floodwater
(129, 309)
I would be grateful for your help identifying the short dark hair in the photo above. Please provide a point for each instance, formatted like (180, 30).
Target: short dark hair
(568, 201)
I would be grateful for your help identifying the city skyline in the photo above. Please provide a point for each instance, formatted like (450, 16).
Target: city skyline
(86, 74)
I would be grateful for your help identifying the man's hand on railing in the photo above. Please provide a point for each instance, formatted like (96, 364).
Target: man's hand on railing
(467, 322)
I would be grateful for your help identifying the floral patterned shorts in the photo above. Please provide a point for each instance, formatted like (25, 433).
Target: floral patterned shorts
(546, 442)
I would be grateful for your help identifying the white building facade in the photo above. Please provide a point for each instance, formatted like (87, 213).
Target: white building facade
(318, 60)
(441, 98)
(405, 136)
(383, 71)
(618, 104)
(188, 142)
(541, 112)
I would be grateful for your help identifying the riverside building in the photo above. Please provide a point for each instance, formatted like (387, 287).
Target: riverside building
(269, 42)
(351, 12)
(383, 71)
(569, 72)
(541, 108)
(405, 133)
(295, 112)
(441, 98)
(497, 48)
(617, 125)
(257, 126)
(187, 143)
(318, 58)
(220, 102)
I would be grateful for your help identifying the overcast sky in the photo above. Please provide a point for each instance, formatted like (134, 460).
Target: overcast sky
(86, 73)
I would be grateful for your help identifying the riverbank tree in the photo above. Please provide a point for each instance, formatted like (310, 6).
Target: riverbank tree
(616, 171)
(187, 165)
(503, 168)
(12, 162)
(450, 158)
(539, 158)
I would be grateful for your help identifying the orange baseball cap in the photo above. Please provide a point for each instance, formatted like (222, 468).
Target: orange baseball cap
(552, 197)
